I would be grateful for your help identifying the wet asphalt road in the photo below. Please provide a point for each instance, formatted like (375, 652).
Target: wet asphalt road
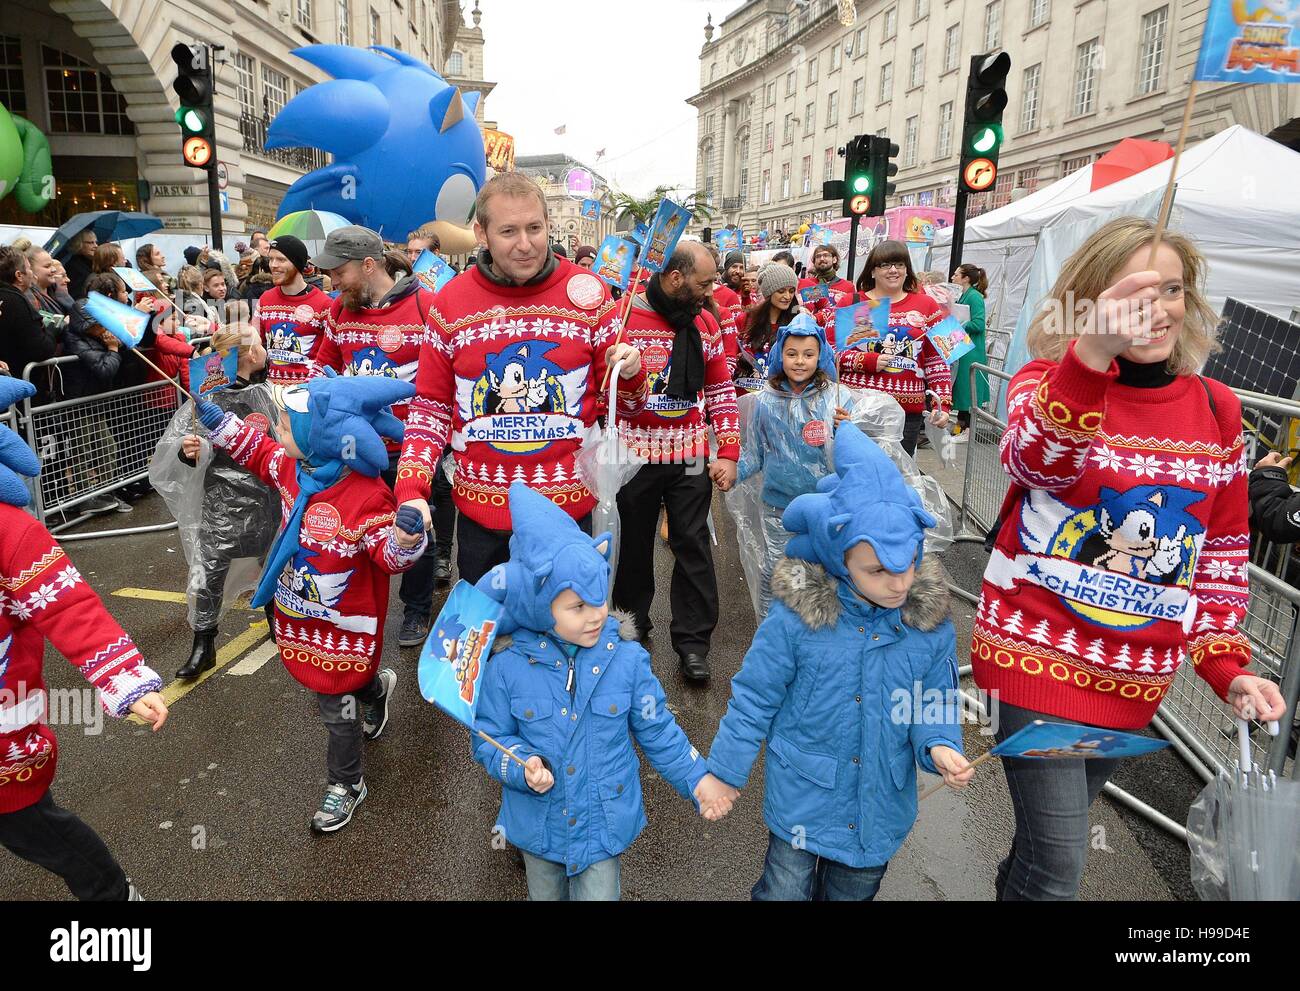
(216, 806)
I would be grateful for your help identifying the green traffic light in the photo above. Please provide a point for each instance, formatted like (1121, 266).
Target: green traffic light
(190, 119)
(985, 140)
(861, 184)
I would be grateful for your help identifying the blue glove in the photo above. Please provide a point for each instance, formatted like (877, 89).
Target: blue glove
(410, 520)
(210, 414)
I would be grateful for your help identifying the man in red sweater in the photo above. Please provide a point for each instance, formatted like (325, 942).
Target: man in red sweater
(290, 315)
(510, 375)
(376, 327)
(685, 361)
(825, 271)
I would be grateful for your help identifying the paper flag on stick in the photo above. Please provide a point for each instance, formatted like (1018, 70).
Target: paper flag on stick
(728, 240)
(1245, 45)
(1067, 740)
(432, 270)
(811, 294)
(211, 373)
(457, 651)
(126, 323)
(862, 324)
(136, 282)
(614, 260)
(950, 339)
(669, 224)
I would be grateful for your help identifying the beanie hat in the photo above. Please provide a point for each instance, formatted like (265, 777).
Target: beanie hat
(733, 258)
(548, 554)
(803, 325)
(866, 501)
(584, 251)
(774, 277)
(191, 255)
(293, 249)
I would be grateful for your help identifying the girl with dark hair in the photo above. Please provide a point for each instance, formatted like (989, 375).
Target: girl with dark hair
(975, 285)
(903, 362)
(763, 322)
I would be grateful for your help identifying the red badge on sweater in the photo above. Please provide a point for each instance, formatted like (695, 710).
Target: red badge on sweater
(258, 422)
(389, 339)
(814, 432)
(321, 522)
(303, 313)
(585, 291)
(654, 359)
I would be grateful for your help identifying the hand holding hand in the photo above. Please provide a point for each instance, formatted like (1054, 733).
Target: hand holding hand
(1256, 698)
(955, 768)
(152, 709)
(538, 778)
(723, 473)
(715, 796)
(411, 538)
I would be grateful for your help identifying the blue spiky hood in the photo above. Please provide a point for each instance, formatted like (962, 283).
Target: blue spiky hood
(803, 325)
(866, 501)
(346, 419)
(17, 460)
(548, 554)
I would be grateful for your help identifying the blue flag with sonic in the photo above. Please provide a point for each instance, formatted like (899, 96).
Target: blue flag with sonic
(614, 260)
(861, 325)
(126, 323)
(728, 240)
(457, 651)
(667, 229)
(432, 270)
(1050, 741)
(213, 372)
(1250, 41)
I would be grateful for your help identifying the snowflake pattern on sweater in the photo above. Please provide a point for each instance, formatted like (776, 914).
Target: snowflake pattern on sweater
(904, 363)
(1123, 549)
(43, 596)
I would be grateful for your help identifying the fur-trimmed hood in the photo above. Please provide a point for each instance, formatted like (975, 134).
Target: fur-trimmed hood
(813, 595)
(626, 630)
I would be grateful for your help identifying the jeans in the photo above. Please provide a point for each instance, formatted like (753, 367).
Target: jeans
(1051, 799)
(791, 875)
(547, 881)
(52, 837)
(479, 550)
(341, 715)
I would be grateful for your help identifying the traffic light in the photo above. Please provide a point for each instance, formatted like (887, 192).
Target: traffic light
(194, 87)
(867, 171)
(986, 99)
(883, 168)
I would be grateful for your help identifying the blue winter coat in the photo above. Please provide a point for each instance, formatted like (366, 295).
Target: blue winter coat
(594, 810)
(819, 684)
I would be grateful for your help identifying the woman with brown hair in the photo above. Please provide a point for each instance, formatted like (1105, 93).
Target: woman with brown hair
(107, 257)
(762, 325)
(1122, 547)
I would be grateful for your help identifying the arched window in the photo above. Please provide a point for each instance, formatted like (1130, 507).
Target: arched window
(455, 64)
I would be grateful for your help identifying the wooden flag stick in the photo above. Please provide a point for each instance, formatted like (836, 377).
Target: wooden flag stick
(624, 311)
(944, 784)
(1166, 204)
(509, 753)
(176, 385)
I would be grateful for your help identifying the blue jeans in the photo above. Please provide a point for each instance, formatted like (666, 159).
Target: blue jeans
(791, 875)
(1051, 799)
(547, 881)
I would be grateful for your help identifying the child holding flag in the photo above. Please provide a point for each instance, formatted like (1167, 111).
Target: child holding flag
(329, 568)
(859, 614)
(568, 693)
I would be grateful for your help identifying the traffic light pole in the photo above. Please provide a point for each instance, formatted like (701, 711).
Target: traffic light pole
(214, 207)
(853, 246)
(958, 231)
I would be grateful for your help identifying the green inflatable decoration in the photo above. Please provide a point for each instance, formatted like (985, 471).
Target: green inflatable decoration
(25, 166)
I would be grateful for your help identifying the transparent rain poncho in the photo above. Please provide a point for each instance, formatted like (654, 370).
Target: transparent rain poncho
(787, 447)
(227, 518)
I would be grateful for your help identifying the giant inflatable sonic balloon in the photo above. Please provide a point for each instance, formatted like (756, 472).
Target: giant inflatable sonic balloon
(406, 147)
(25, 168)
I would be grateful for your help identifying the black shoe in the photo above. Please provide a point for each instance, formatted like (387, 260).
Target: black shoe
(202, 658)
(415, 628)
(442, 570)
(695, 667)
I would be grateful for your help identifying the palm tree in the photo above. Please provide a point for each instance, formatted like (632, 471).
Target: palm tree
(641, 210)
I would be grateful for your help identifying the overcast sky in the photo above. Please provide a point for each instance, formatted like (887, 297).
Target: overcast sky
(582, 64)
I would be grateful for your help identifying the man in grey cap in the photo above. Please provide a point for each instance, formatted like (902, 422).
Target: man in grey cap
(376, 327)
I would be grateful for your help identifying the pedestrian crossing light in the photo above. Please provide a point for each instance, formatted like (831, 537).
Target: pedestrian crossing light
(982, 134)
(193, 85)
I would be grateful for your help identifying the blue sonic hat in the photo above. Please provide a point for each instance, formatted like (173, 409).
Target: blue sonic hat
(17, 460)
(866, 501)
(548, 554)
(345, 419)
(803, 325)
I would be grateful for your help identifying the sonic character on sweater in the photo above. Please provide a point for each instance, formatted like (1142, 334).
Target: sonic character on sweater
(859, 616)
(569, 689)
(329, 567)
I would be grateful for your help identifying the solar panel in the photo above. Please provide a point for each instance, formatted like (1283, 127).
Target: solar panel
(1261, 352)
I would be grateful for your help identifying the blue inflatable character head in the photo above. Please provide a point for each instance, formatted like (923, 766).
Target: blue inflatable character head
(345, 419)
(384, 113)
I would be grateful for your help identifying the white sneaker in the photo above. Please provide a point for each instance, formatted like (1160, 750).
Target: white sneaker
(962, 437)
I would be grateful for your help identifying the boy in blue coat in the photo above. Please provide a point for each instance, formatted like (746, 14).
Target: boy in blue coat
(568, 691)
(858, 625)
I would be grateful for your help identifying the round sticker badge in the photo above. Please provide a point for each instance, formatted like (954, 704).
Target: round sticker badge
(654, 359)
(321, 522)
(258, 422)
(585, 291)
(304, 313)
(814, 432)
(389, 339)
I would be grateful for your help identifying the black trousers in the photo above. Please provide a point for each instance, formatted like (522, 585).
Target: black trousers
(52, 837)
(416, 590)
(479, 550)
(685, 491)
(913, 423)
(342, 717)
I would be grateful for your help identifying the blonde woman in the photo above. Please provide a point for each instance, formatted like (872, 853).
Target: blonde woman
(1123, 542)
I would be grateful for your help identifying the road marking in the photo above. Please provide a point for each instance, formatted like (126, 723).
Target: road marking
(177, 690)
(254, 659)
(160, 595)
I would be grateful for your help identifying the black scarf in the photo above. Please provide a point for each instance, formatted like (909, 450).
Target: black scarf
(686, 374)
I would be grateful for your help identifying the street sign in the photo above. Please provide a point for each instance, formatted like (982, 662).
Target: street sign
(225, 202)
(197, 152)
(223, 178)
(980, 174)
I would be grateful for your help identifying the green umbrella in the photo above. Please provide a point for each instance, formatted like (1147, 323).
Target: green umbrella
(309, 226)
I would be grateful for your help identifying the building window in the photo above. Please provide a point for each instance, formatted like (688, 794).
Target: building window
(910, 141)
(920, 9)
(12, 92)
(1039, 11)
(1151, 62)
(455, 64)
(828, 169)
(837, 56)
(944, 145)
(785, 181)
(891, 23)
(246, 83)
(855, 97)
(951, 47)
(860, 43)
(886, 82)
(344, 15)
(833, 109)
(302, 13)
(771, 94)
(744, 184)
(812, 70)
(1085, 78)
(1027, 179)
(993, 25)
(767, 185)
(787, 135)
(916, 73)
(769, 130)
(1072, 165)
(809, 118)
(789, 83)
(376, 30)
(275, 90)
(1029, 98)
(805, 180)
(81, 99)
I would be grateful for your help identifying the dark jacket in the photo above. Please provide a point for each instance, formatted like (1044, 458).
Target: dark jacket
(1274, 506)
(251, 289)
(78, 269)
(24, 336)
(97, 369)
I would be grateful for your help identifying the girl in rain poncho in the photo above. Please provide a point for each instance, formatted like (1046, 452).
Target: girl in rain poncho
(225, 513)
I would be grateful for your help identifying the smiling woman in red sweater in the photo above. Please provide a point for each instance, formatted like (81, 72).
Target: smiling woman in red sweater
(1122, 550)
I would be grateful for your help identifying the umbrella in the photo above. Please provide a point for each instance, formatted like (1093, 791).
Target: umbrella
(308, 226)
(1129, 157)
(1244, 833)
(108, 225)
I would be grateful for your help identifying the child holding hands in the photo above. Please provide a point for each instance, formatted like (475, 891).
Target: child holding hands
(858, 616)
(568, 690)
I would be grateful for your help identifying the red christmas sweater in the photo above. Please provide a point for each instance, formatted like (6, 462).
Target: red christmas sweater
(669, 429)
(904, 363)
(43, 596)
(378, 340)
(510, 376)
(332, 597)
(293, 330)
(841, 294)
(1123, 549)
(731, 315)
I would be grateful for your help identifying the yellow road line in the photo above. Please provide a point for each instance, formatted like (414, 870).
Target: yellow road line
(176, 690)
(150, 593)
(252, 661)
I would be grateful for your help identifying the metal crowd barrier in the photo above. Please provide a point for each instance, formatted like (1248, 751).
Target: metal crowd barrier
(1197, 723)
